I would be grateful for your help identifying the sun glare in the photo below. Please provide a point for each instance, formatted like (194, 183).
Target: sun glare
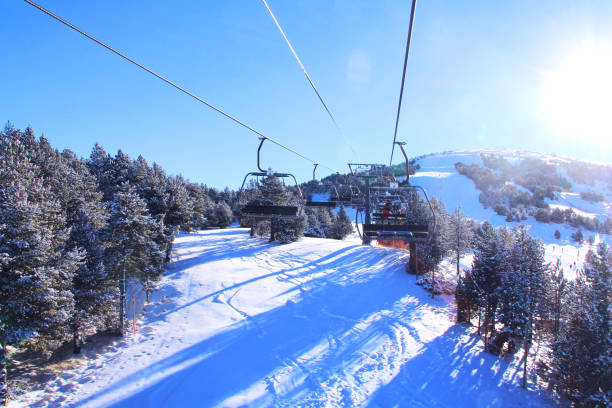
(576, 97)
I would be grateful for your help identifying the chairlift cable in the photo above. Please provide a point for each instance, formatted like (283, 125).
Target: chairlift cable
(399, 105)
(299, 61)
(172, 83)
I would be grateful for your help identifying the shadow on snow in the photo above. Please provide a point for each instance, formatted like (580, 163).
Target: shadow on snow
(228, 363)
(466, 376)
(343, 292)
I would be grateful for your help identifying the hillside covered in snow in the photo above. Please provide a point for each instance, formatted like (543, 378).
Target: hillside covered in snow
(239, 322)
(439, 175)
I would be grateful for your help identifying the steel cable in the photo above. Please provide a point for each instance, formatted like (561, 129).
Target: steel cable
(172, 84)
(399, 105)
(299, 61)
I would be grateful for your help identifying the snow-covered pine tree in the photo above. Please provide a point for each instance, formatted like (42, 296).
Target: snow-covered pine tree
(432, 252)
(460, 234)
(229, 196)
(289, 230)
(140, 176)
(313, 228)
(222, 215)
(554, 303)
(151, 184)
(343, 226)
(121, 170)
(326, 219)
(154, 268)
(180, 208)
(464, 314)
(523, 290)
(578, 236)
(75, 188)
(582, 354)
(93, 289)
(273, 189)
(100, 164)
(487, 270)
(36, 269)
(154, 191)
(132, 249)
(203, 207)
(437, 247)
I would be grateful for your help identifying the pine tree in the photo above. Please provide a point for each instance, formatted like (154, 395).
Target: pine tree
(273, 189)
(180, 208)
(152, 185)
(578, 236)
(121, 170)
(486, 274)
(557, 290)
(35, 270)
(132, 251)
(101, 166)
(313, 228)
(463, 300)
(157, 257)
(222, 215)
(86, 217)
(343, 226)
(582, 354)
(523, 289)
(75, 187)
(437, 247)
(202, 206)
(460, 234)
(326, 219)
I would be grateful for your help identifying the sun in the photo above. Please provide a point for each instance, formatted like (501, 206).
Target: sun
(576, 96)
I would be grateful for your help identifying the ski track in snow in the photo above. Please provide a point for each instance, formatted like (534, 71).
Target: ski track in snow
(317, 323)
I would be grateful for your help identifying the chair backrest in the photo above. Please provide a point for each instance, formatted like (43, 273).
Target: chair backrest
(270, 210)
(329, 204)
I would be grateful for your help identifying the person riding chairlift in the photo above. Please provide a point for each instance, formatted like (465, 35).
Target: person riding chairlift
(386, 211)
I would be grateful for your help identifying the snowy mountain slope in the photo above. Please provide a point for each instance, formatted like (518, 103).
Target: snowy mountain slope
(241, 322)
(440, 178)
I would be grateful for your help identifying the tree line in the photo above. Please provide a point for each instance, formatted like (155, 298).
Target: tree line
(497, 182)
(511, 294)
(70, 228)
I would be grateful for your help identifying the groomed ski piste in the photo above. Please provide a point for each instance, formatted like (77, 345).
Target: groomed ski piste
(240, 322)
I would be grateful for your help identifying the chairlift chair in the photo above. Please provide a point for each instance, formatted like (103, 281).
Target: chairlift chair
(386, 193)
(259, 208)
(322, 189)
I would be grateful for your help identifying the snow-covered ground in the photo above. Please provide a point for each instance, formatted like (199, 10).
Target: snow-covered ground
(241, 322)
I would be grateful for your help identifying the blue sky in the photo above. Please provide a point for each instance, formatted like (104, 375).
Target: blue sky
(477, 75)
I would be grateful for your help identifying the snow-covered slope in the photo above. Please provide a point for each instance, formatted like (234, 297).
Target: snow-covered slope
(241, 322)
(440, 178)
